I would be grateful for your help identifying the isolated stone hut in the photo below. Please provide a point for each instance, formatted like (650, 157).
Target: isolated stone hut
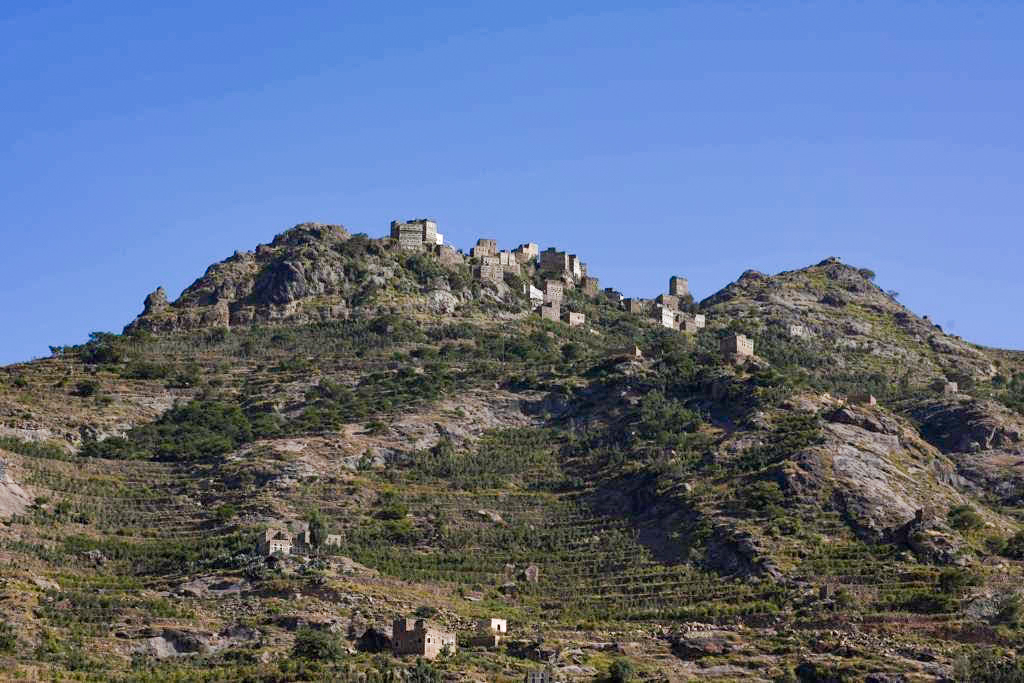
(423, 639)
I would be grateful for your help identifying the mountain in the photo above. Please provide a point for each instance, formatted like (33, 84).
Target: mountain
(795, 479)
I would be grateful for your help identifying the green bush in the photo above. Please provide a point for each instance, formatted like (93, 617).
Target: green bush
(964, 518)
(225, 513)
(146, 370)
(621, 671)
(988, 666)
(1014, 548)
(953, 580)
(761, 495)
(793, 433)
(316, 645)
(33, 449)
(8, 637)
(86, 388)
(924, 602)
(203, 428)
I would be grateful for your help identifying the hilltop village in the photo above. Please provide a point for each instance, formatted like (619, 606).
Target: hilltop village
(546, 276)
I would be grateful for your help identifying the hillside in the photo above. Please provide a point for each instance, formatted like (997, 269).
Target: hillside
(489, 435)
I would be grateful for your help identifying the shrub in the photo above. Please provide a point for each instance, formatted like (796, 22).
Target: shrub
(925, 602)
(225, 513)
(761, 495)
(1014, 548)
(203, 428)
(8, 637)
(1010, 611)
(86, 388)
(424, 672)
(989, 666)
(954, 580)
(146, 370)
(964, 518)
(621, 671)
(316, 645)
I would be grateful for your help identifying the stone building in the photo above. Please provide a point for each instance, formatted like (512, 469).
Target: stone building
(678, 286)
(797, 331)
(737, 345)
(668, 301)
(613, 295)
(688, 326)
(536, 295)
(551, 310)
(864, 398)
(448, 256)
(489, 633)
(637, 306)
(590, 285)
(276, 540)
(490, 272)
(538, 677)
(508, 262)
(693, 321)
(554, 261)
(576, 268)
(484, 247)
(576, 319)
(415, 233)
(492, 625)
(664, 315)
(553, 291)
(423, 639)
(526, 253)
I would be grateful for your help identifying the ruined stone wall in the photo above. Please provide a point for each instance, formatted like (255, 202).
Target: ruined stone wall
(551, 311)
(637, 306)
(738, 345)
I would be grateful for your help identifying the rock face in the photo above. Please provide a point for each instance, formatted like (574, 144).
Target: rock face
(155, 302)
(312, 273)
(966, 425)
(13, 498)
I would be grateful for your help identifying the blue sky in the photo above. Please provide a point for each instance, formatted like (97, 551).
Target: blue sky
(140, 142)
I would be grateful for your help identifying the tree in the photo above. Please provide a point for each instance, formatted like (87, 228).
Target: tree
(621, 671)
(424, 672)
(317, 528)
(317, 645)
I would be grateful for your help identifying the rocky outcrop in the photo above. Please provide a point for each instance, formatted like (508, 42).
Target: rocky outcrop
(155, 302)
(967, 425)
(13, 498)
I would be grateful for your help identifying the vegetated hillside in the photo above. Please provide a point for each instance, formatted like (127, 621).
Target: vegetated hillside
(688, 517)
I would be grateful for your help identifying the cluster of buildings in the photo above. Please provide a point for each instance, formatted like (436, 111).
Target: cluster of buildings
(668, 309)
(426, 640)
(560, 272)
(291, 538)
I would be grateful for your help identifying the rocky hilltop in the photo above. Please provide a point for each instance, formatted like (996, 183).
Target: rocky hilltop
(795, 479)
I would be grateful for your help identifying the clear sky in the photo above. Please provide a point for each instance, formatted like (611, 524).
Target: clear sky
(142, 141)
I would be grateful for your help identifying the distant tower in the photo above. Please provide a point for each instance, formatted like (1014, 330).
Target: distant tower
(678, 286)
